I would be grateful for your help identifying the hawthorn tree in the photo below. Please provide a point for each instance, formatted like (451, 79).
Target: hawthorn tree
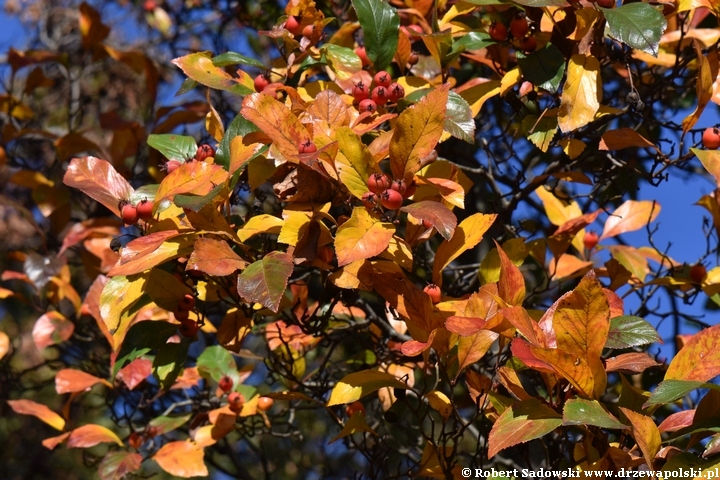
(384, 239)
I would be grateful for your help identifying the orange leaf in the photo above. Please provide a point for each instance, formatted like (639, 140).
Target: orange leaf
(182, 459)
(465, 326)
(197, 178)
(4, 344)
(361, 237)
(634, 362)
(468, 234)
(91, 435)
(276, 121)
(69, 380)
(240, 153)
(630, 216)
(135, 372)
(151, 250)
(214, 257)
(51, 329)
(329, 107)
(707, 73)
(699, 359)
(472, 348)
(28, 407)
(52, 442)
(522, 422)
(92, 28)
(570, 266)
(99, 180)
(528, 327)
(511, 286)
(646, 434)
(199, 67)
(623, 138)
(417, 131)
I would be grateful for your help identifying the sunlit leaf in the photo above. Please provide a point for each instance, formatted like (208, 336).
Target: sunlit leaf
(630, 216)
(135, 372)
(520, 423)
(99, 180)
(359, 384)
(264, 281)
(91, 435)
(28, 407)
(468, 234)
(638, 25)
(69, 380)
(630, 331)
(182, 459)
(214, 257)
(199, 66)
(699, 359)
(441, 217)
(50, 329)
(196, 178)
(362, 237)
(119, 294)
(173, 147)
(581, 94)
(633, 362)
(511, 283)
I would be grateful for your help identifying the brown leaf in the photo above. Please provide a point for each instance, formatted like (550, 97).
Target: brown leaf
(624, 138)
(214, 257)
(441, 217)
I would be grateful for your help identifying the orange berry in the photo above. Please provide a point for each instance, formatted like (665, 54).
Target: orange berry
(434, 292)
(129, 214)
(391, 199)
(236, 402)
(265, 403)
(711, 138)
(590, 239)
(145, 209)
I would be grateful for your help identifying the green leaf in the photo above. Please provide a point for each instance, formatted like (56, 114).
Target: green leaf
(215, 362)
(169, 362)
(630, 331)
(264, 281)
(472, 41)
(343, 61)
(239, 126)
(579, 411)
(186, 86)
(544, 68)
(233, 58)
(164, 424)
(520, 423)
(197, 202)
(638, 25)
(670, 390)
(142, 338)
(459, 120)
(380, 23)
(173, 147)
(146, 192)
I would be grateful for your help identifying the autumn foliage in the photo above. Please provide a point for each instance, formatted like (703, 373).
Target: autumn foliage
(389, 238)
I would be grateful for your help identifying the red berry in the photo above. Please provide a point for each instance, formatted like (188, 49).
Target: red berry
(292, 25)
(236, 402)
(325, 254)
(225, 384)
(189, 328)
(369, 200)
(204, 152)
(360, 52)
(382, 79)
(410, 190)
(434, 292)
(606, 3)
(149, 5)
(391, 199)
(135, 440)
(378, 182)
(399, 186)
(711, 138)
(698, 272)
(528, 45)
(360, 92)
(260, 82)
(265, 403)
(182, 315)
(145, 209)
(413, 59)
(380, 95)
(590, 239)
(395, 92)
(129, 214)
(367, 105)
(186, 303)
(307, 147)
(519, 27)
(172, 165)
(353, 408)
(498, 32)
(308, 31)
(427, 224)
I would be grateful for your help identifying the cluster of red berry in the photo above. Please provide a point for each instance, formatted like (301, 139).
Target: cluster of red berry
(384, 91)
(204, 152)
(519, 29)
(188, 328)
(294, 25)
(711, 138)
(389, 194)
(132, 213)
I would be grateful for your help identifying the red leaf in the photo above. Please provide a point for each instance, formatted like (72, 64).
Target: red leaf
(51, 329)
(465, 326)
(412, 348)
(99, 180)
(135, 372)
(69, 380)
(91, 435)
(441, 217)
(115, 465)
(511, 286)
(677, 421)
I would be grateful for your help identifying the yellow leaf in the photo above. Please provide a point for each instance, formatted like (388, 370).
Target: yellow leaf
(572, 147)
(240, 153)
(582, 93)
(586, 18)
(260, 224)
(358, 274)
(417, 131)
(509, 80)
(293, 229)
(440, 402)
(478, 94)
(359, 384)
(707, 73)
(560, 212)
(213, 123)
(400, 252)
(119, 294)
(355, 424)
(468, 234)
(91, 435)
(197, 178)
(646, 434)
(354, 162)
(699, 359)
(362, 237)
